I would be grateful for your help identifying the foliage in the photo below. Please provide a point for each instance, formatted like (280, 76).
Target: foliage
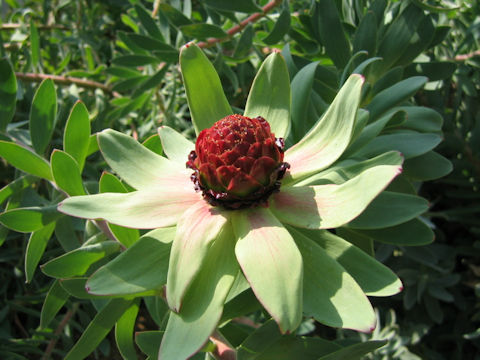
(116, 66)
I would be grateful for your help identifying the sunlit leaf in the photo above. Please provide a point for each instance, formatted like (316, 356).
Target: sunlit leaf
(25, 160)
(206, 99)
(142, 267)
(43, 115)
(76, 138)
(277, 287)
(269, 96)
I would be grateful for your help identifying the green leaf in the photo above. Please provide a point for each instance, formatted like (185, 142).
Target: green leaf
(146, 209)
(372, 130)
(29, 219)
(330, 206)
(110, 183)
(421, 40)
(203, 31)
(330, 295)
(25, 160)
(266, 342)
(65, 234)
(135, 164)
(153, 81)
(374, 278)
(390, 209)
(206, 99)
(35, 249)
(100, 326)
(332, 33)
(411, 233)
(76, 138)
(245, 6)
(151, 43)
(428, 166)
(203, 303)
(395, 95)
(76, 288)
(34, 44)
(175, 17)
(197, 229)
(365, 38)
(8, 93)
(135, 60)
(77, 262)
(356, 351)
(56, 298)
(270, 96)
(422, 119)
(142, 267)
(281, 27)
(149, 342)
(301, 88)
(434, 70)
(16, 186)
(66, 173)
(326, 142)
(277, 279)
(153, 143)
(175, 145)
(43, 115)
(244, 44)
(148, 23)
(124, 332)
(347, 170)
(409, 144)
(398, 36)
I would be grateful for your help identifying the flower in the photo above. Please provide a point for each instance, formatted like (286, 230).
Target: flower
(241, 229)
(238, 162)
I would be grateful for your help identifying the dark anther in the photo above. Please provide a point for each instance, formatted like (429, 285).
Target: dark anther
(191, 158)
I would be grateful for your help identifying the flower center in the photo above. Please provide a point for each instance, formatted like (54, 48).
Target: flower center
(238, 162)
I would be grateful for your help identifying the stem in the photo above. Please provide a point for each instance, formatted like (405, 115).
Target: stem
(11, 26)
(66, 80)
(467, 56)
(58, 331)
(156, 5)
(237, 28)
(224, 350)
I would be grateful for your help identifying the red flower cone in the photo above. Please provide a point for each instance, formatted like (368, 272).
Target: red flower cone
(238, 162)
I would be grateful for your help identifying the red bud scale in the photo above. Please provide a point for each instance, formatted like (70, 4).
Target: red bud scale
(238, 162)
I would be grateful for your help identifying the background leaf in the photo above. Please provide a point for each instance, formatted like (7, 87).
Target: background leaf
(43, 115)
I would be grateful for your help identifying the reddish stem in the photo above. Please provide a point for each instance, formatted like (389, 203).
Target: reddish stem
(237, 28)
(32, 77)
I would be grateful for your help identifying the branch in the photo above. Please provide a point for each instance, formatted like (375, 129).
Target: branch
(10, 26)
(467, 56)
(156, 6)
(237, 28)
(58, 331)
(66, 80)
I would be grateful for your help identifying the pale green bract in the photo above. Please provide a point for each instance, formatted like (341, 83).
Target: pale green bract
(293, 267)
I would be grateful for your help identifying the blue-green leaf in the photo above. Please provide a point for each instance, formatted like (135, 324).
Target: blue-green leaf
(206, 99)
(270, 96)
(76, 138)
(100, 326)
(8, 93)
(25, 160)
(43, 115)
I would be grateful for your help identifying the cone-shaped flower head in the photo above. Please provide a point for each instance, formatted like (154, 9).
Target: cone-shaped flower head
(238, 162)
